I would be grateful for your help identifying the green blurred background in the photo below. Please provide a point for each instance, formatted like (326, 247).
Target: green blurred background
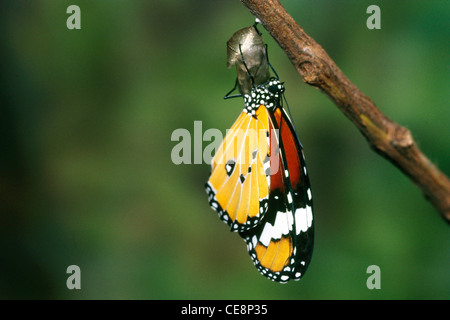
(86, 176)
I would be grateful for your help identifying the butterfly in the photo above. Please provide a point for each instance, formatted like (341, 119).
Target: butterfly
(259, 184)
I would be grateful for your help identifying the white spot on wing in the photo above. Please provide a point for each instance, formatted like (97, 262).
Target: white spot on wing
(266, 235)
(254, 241)
(283, 222)
(284, 278)
(309, 215)
(289, 197)
(303, 219)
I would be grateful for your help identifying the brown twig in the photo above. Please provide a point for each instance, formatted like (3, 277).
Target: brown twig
(389, 139)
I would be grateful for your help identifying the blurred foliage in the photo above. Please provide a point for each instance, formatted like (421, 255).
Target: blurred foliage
(86, 175)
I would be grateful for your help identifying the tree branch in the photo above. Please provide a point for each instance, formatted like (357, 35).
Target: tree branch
(387, 138)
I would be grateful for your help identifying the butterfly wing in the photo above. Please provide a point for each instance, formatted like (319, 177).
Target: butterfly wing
(238, 187)
(281, 245)
(299, 196)
(259, 185)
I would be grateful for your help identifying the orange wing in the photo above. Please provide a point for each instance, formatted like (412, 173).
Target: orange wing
(238, 186)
